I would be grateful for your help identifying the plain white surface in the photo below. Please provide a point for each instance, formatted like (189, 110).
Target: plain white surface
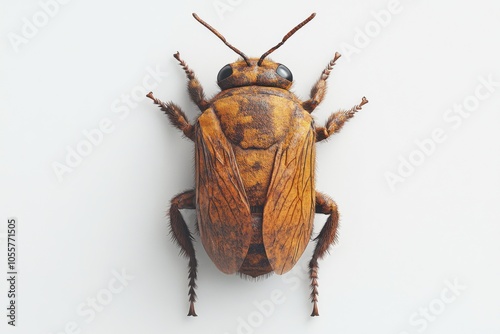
(397, 249)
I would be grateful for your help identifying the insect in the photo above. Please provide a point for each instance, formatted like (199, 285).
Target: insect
(255, 194)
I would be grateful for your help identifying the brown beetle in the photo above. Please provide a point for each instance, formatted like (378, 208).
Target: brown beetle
(255, 193)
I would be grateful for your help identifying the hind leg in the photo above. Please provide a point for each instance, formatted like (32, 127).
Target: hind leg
(184, 239)
(324, 240)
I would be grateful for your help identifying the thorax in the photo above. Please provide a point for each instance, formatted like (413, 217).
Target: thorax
(255, 116)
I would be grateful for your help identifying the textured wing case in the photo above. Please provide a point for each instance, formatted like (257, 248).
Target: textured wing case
(289, 210)
(223, 211)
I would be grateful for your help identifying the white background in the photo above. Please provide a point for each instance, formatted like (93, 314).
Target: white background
(397, 247)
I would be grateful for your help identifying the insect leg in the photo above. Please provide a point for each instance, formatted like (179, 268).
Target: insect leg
(194, 87)
(184, 239)
(336, 121)
(176, 116)
(319, 89)
(324, 240)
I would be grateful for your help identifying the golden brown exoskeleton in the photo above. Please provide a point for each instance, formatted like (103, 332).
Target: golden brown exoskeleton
(255, 192)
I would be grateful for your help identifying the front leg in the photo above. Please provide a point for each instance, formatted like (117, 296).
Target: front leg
(176, 116)
(194, 87)
(319, 89)
(337, 120)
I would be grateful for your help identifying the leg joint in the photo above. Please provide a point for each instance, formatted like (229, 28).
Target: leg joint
(185, 200)
(325, 205)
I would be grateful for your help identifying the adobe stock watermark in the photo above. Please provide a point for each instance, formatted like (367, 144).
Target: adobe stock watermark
(32, 26)
(94, 137)
(421, 319)
(453, 117)
(224, 6)
(97, 303)
(371, 30)
(264, 309)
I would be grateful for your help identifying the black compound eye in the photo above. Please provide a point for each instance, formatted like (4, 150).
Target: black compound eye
(224, 73)
(284, 72)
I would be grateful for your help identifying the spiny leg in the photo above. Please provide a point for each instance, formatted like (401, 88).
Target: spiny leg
(319, 89)
(194, 87)
(176, 116)
(337, 120)
(324, 240)
(184, 239)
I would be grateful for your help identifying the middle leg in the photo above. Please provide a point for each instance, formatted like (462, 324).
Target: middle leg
(176, 116)
(337, 120)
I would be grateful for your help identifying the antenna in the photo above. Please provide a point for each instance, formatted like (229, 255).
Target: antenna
(287, 36)
(216, 33)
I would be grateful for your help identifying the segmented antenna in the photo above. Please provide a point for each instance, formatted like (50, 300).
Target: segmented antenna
(222, 38)
(287, 36)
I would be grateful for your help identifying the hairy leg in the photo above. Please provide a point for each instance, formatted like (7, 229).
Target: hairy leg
(184, 239)
(324, 240)
(319, 89)
(194, 87)
(176, 116)
(337, 120)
